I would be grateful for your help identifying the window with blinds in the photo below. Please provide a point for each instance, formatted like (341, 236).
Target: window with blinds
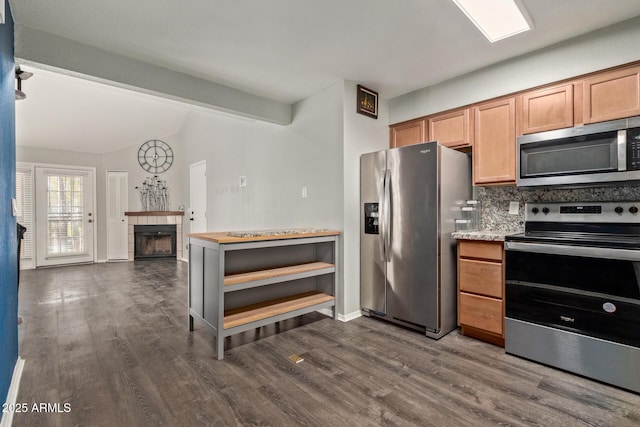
(24, 205)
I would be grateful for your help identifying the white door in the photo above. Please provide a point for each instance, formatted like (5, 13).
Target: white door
(117, 224)
(198, 197)
(65, 216)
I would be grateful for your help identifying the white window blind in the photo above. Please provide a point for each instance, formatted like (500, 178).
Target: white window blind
(66, 212)
(24, 204)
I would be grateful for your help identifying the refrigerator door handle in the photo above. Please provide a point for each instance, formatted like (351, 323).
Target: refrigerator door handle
(381, 193)
(387, 215)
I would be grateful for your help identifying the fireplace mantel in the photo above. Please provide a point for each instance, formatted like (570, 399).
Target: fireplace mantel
(155, 218)
(154, 213)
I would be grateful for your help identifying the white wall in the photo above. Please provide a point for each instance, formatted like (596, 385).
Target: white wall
(127, 160)
(277, 161)
(608, 47)
(361, 135)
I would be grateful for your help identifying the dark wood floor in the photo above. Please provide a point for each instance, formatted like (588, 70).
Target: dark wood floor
(112, 341)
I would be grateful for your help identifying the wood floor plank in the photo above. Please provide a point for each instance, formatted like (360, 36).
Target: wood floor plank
(111, 340)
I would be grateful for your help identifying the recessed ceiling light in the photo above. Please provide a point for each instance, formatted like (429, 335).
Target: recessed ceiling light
(496, 19)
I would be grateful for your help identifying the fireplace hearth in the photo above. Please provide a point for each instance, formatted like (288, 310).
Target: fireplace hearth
(155, 241)
(153, 218)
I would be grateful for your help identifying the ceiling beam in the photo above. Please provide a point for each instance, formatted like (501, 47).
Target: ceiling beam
(81, 60)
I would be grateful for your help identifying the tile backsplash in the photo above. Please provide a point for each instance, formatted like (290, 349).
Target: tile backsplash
(495, 201)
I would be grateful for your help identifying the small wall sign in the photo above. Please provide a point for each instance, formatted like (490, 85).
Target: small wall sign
(367, 102)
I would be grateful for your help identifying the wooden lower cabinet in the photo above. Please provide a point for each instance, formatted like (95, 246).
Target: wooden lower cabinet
(481, 312)
(481, 290)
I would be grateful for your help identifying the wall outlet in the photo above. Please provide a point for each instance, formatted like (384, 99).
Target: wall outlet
(514, 208)
(243, 181)
(304, 192)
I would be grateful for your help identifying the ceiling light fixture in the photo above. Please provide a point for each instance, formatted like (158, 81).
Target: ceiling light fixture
(20, 76)
(496, 19)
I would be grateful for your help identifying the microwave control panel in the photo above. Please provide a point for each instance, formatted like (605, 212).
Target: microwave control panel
(633, 149)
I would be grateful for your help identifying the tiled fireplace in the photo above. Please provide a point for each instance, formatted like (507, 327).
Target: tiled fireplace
(155, 218)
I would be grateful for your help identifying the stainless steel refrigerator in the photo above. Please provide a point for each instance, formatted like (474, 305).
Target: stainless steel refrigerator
(409, 198)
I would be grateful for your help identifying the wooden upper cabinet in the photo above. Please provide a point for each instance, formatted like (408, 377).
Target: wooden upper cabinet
(612, 95)
(494, 148)
(453, 129)
(546, 109)
(408, 133)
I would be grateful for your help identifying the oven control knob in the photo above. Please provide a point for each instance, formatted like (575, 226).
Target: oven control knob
(535, 210)
(545, 210)
(633, 209)
(619, 209)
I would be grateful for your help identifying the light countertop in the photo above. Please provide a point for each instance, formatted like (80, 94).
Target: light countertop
(252, 236)
(488, 235)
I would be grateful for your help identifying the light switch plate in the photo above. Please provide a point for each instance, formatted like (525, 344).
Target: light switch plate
(14, 207)
(304, 192)
(243, 181)
(514, 208)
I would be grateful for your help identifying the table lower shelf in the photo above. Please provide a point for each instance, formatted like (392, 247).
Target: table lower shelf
(274, 275)
(265, 309)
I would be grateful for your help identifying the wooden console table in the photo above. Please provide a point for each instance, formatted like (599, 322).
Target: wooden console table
(241, 282)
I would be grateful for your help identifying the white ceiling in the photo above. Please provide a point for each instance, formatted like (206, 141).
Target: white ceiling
(287, 50)
(68, 113)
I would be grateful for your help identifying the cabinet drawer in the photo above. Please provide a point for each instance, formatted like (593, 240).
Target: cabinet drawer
(480, 249)
(481, 312)
(480, 277)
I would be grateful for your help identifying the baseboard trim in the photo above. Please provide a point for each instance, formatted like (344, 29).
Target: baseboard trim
(341, 317)
(27, 264)
(12, 395)
(349, 317)
(183, 260)
(100, 261)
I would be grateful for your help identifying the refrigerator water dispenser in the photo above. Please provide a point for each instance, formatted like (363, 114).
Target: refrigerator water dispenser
(371, 218)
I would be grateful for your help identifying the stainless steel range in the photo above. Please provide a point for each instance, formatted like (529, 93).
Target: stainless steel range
(572, 285)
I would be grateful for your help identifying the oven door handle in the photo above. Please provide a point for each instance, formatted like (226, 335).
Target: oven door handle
(580, 251)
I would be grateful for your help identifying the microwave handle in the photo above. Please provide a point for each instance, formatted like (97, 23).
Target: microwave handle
(622, 150)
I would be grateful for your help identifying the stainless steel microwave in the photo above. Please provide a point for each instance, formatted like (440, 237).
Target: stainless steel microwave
(589, 154)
